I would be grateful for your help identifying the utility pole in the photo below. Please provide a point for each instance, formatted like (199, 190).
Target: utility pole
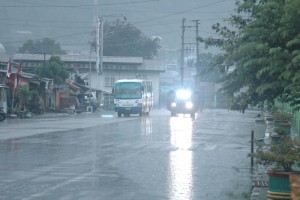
(101, 45)
(98, 44)
(183, 49)
(90, 81)
(182, 52)
(197, 47)
(197, 36)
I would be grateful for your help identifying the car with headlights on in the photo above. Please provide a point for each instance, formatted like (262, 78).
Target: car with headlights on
(183, 101)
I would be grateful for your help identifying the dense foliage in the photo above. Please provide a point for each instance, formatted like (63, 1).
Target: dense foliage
(46, 45)
(261, 48)
(204, 71)
(123, 39)
(284, 155)
(53, 69)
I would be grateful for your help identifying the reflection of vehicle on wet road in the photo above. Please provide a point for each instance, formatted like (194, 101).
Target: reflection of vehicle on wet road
(133, 96)
(183, 101)
(3, 102)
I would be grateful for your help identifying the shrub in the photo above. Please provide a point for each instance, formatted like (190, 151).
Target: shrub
(284, 155)
(282, 115)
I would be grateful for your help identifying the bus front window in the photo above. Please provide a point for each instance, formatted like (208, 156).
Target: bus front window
(128, 90)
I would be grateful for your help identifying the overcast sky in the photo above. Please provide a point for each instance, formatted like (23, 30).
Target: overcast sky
(71, 21)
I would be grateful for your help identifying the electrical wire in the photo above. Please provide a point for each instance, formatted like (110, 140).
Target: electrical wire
(75, 6)
(147, 20)
(174, 13)
(48, 26)
(58, 36)
(181, 12)
(87, 27)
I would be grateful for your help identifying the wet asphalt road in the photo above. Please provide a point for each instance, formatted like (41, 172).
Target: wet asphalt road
(100, 156)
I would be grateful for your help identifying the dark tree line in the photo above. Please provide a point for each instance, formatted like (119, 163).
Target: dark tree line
(46, 45)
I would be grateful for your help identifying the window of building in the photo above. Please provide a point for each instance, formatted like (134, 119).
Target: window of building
(141, 76)
(109, 81)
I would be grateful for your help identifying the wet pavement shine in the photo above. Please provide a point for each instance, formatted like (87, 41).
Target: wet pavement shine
(101, 156)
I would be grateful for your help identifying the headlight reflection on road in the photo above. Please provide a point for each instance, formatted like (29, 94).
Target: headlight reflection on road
(180, 161)
(181, 132)
(146, 127)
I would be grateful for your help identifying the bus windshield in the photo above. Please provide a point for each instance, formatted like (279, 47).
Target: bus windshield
(128, 90)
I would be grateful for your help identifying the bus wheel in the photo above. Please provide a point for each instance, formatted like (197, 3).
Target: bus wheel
(119, 114)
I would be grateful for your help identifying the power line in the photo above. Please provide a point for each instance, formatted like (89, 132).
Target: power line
(181, 12)
(128, 11)
(83, 33)
(152, 19)
(82, 27)
(43, 21)
(89, 32)
(165, 12)
(26, 2)
(47, 26)
(88, 22)
(74, 6)
(59, 36)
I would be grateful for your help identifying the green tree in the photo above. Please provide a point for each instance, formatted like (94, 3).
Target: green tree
(46, 45)
(261, 47)
(123, 39)
(53, 69)
(205, 72)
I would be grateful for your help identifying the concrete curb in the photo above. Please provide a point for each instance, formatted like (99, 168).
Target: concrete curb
(259, 193)
(260, 178)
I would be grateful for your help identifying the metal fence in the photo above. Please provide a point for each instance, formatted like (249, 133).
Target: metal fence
(297, 122)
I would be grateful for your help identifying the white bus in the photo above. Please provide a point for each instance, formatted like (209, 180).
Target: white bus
(133, 96)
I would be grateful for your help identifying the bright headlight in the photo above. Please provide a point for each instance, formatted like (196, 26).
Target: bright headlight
(189, 105)
(183, 94)
(173, 104)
